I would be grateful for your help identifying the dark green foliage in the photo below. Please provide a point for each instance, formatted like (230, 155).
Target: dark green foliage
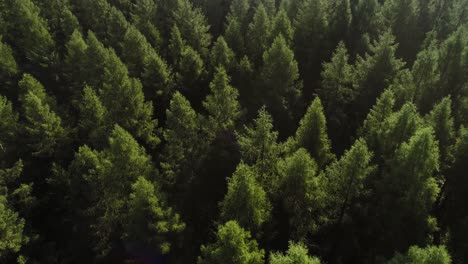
(139, 130)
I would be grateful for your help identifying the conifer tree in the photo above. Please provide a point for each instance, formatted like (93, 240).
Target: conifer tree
(312, 134)
(282, 25)
(222, 105)
(8, 126)
(233, 245)
(430, 254)
(8, 67)
(259, 33)
(258, 146)
(93, 116)
(150, 222)
(245, 201)
(236, 26)
(301, 193)
(222, 55)
(281, 86)
(297, 254)
(42, 126)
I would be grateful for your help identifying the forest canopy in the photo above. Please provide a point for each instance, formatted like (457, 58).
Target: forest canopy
(234, 131)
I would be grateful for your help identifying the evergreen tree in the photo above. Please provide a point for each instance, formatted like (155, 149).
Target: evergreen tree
(346, 178)
(301, 192)
(297, 254)
(233, 246)
(93, 116)
(222, 105)
(42, 126)
(312, 134)
(281, 25)
(193, 26)
(8, 127)
(430, 254)
(222, 55)
(8, 67)
(340, 18)
(150, 222)
(259, 147)
(245, 201)
(259, 33)
(236, 26)
(281, 86)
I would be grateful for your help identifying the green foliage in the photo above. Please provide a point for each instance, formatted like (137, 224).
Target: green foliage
(8, 125)
(11, 227)
(428, 255)
(345, 179)
(92, 115)
(301, 191)
(281, 25)
(42, 125)
(233, 246)
(259, 147)
(280, 79)
(8, 65)
(149, 221)
(259, 33)
(312, 134)
(245, 201)
(222, 105)
(222, 55)
(297, 254)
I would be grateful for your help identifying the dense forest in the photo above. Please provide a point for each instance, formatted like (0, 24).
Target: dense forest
(234, 131)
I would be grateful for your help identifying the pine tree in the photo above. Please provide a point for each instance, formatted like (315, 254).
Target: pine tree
(222, 105)
(233, 245)
(193, 26)
(222, 55)
(184, 146)
(42, 125)
(8, 127)
(301, 193)
(93, 116)
(150, 222)
(245, 201)
(259, 33)
(236, 26)
(375, 72)
(340, 17)
(280, 81)
(259, 147)
(430, 254)
(282, 25)
(29, 32)
(297, 254)
(312, 134)
(346, 178)
(8, 67)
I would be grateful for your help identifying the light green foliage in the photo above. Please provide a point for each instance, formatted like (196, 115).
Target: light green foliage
(259, 147)
(440, 118)
(245, 201)
(30, 32)
(312, 134)
(193, 26)
(301, 191)
(108, 176)
(12, 234)
(149, 221)
(259, 33)
(8, 124)
(282, 25)
(43, 126)
(428, 255)
(297, 254)
(8, 66)
(222, 55)
(345, 179)
(233, 245)
(236, 26)
(183, 146)
(92, 115)
(280, 77)
(221, 104)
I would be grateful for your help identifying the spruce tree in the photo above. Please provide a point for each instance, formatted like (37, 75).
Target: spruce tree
(297, 254)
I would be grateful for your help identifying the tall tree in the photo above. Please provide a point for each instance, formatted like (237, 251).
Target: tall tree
(258, 146)
(42, 126)
(246, 201)
(233, 245)
(312, 134)
(222, 55)
(280, 82)
(430, 254)
(301, 193)
(222, 105)
(259, 32)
